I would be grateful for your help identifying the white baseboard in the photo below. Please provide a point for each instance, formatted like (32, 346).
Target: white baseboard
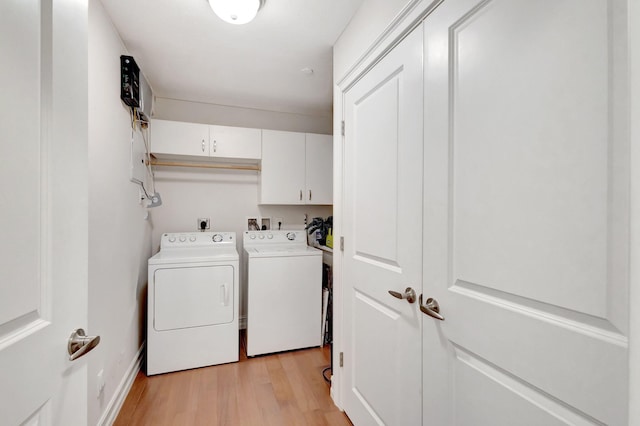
(114, 406)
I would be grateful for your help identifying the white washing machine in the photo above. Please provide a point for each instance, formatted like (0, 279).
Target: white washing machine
(284, 291)
(192, 308)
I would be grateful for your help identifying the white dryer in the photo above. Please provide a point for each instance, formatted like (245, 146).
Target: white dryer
(192, 308)
(284, 291)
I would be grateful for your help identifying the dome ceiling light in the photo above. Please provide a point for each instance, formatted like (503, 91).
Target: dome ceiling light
(236, 12)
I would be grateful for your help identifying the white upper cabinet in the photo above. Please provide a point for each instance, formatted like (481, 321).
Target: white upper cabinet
(319, 169)
(296, 168)
(179, 138)
(235, 142)
(283, 168)
(176, 138)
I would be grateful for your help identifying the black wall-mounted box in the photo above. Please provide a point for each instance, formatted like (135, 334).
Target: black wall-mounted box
(129, 81)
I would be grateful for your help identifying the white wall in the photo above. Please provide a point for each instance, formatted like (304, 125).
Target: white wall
(200, 112)
(119, 237)
(365, 27)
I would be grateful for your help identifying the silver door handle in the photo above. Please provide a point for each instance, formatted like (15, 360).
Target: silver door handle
(432, 308)
(80, 344)
(409, 294)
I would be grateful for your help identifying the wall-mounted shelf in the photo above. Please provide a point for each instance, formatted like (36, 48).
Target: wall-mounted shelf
(176, 163)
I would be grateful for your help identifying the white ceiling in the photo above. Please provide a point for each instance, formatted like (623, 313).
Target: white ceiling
(188, 53)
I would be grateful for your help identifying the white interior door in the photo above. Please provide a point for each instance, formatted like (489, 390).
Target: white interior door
(526, 213)
(43, 200)
(383, 239)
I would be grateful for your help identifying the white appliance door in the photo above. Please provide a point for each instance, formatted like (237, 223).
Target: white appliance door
(284, 303)
(43, 200)
(527, 212)
(383, 239)
(193, 297)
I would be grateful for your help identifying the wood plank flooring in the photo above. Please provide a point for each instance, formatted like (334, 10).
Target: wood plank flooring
(280, 389)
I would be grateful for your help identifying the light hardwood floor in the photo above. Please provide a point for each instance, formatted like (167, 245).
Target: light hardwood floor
(280, 389)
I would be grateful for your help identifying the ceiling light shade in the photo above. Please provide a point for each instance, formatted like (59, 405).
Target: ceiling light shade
(236, 11)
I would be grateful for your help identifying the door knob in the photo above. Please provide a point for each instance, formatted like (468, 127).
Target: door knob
(432, 308)
(80, 344)
(408, 294)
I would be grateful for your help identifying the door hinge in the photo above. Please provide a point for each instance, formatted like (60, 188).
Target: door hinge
(342, 127)
(341, 359)
(341, 243)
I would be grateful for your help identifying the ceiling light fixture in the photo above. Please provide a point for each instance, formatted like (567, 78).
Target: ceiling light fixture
(236, 12)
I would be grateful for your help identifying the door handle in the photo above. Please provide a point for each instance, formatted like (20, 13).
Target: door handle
(409, 294)
(309, 195)
(301, 195)
(202, 145)
(80, 344)
(223, 295)
(215, 146)
(432, 308)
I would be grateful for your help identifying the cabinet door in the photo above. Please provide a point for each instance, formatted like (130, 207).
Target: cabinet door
(178, 138)
(235, 142)
(283, 168)
(319, 169)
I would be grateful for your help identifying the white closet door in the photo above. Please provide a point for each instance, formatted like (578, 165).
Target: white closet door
(383, 239)
(526, 213)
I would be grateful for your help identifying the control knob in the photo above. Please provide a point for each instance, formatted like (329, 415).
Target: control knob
(183, 238)
(291, 236)
(192, 238)
(172, 239)
(217, 238)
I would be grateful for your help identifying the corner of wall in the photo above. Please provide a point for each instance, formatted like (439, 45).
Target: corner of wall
(119, 233)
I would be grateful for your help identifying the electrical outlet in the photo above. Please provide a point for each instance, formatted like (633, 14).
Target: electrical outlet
(199, 224)
(277, 223)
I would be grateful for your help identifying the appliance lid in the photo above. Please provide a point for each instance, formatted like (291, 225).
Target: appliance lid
(284, 250)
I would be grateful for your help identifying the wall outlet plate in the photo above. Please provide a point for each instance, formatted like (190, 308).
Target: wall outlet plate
(199, 223)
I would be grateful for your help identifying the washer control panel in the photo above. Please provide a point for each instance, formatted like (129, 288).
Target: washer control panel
(197, 239)
(275, 237)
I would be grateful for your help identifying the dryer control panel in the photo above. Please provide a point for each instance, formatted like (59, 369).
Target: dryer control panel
(275, 237)
(197, 239)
